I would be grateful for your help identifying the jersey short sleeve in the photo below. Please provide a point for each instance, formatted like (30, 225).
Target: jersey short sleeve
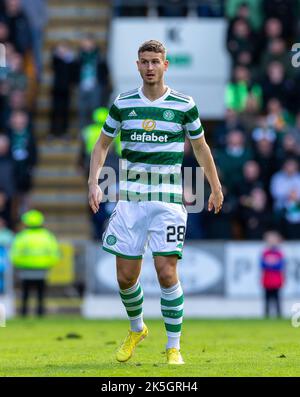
(113, 121)
(192, 123)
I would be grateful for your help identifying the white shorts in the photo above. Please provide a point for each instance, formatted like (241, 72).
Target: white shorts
(134, 225)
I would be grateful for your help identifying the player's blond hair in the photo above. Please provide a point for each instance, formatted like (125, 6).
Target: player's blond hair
(153, 46)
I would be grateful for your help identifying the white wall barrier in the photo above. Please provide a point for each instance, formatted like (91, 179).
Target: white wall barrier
(199, 61)
(218, 279)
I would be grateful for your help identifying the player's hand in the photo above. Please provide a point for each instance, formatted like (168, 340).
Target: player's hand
(95, 197)
(215, 201)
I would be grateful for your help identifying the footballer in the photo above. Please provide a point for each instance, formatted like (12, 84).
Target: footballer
(153, 121)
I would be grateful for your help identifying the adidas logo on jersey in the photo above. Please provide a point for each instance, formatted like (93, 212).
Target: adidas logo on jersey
(144, 137)
(132, 114)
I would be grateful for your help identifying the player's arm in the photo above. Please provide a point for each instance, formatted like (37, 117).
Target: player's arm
(205, 160)
(98, 157)
(109, 131)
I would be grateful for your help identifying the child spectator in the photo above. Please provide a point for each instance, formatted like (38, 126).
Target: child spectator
(272, 266)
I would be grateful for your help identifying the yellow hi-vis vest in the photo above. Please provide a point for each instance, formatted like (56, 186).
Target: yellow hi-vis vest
(90, 135)
(34, 249)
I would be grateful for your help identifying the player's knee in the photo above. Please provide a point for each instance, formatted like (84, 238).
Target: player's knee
(126, 281)
(167, 277)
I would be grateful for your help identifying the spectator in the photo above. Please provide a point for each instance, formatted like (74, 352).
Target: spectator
(251, 180)
(272, 267)
(63, 64)
(256, 215)
(290, 219)
(264, 155)
(230, 122)
(34, 260)
(4, 32)
(263, 131)
(247, 9)
(284, 182)
(7, 180)
(5, 208)
(17, 101)
(23, 150)
(36, 12)
(276, 85)
(241, 89)
(19, 28)
(277, 51)
(277, 117)
(16, 78)
(289, 149)
(295, 130)
(240, 41)
(285, 11)
(92, 76)
(272, 30)
(232, 159)
(242, 12)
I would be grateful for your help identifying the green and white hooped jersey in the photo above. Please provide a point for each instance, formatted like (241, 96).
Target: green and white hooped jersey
(152, 139)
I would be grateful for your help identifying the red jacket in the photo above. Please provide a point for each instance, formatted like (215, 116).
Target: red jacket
(272, 265)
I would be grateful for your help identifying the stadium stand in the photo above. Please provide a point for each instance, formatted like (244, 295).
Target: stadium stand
(260, 126)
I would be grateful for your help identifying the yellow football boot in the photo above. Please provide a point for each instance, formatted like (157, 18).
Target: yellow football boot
(132, 339)
(174, 356)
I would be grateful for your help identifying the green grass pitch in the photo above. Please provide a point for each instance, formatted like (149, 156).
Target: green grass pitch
(33, 347)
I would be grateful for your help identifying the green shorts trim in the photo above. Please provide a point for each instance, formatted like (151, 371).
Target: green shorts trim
(121, 255)
(178, 253)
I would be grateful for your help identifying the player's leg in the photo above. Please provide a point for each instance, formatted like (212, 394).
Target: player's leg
(126, 237)
(172, 301)
(167, 231)
(131, 293)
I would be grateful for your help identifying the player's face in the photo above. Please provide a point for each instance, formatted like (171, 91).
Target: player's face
(152, 66)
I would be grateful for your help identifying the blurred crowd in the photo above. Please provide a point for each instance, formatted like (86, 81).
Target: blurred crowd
(256, 146)
(84, 68)
(21, 27)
